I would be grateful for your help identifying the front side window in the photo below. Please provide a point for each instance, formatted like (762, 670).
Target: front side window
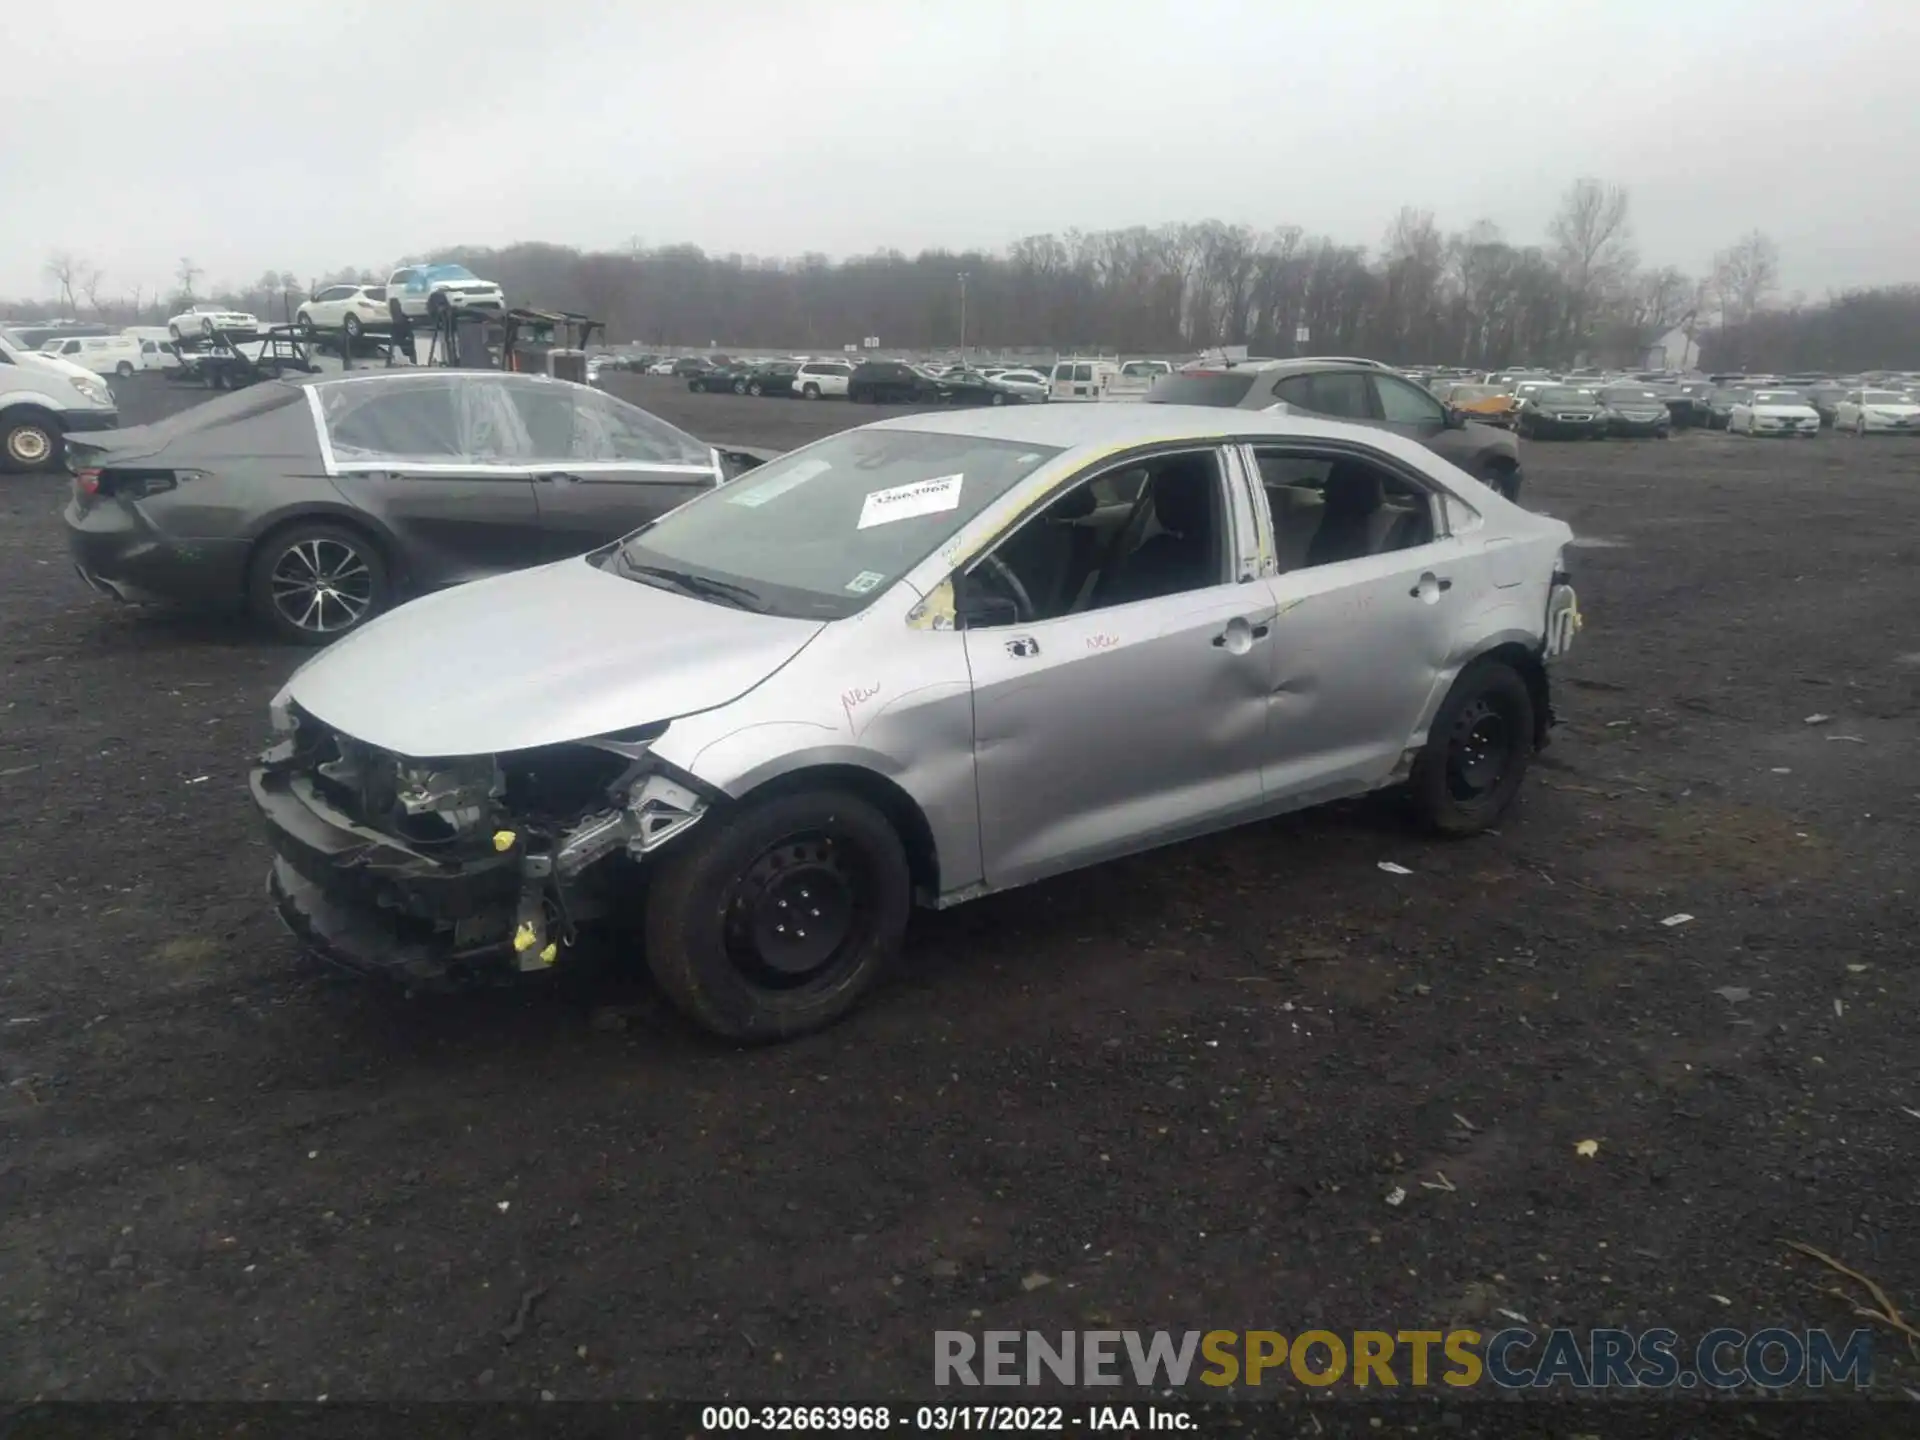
(1141, 531)
(609, 429)
(1339, 394)
(1330, 508)
(1404, 404)
(819, 532)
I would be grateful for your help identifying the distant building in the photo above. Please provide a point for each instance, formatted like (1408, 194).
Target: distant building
(1675, 350)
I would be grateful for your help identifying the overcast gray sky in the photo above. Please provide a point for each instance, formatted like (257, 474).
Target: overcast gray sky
(255, 135)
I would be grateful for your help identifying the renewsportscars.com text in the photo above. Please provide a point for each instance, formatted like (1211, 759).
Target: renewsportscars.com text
(1512, 1359)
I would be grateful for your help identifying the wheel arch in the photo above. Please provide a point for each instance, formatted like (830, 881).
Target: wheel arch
(319, 513)
(884, 793)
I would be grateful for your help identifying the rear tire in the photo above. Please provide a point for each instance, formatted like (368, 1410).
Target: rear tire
(352, 327)
(756, 389)
(719, 937)
(124, 370)
(810, 391)
(31, 441)
(1477, 750)
(739, 387)
(312, 582)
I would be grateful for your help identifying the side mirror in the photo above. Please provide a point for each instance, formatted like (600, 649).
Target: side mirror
(977, 608)
(1456, 418)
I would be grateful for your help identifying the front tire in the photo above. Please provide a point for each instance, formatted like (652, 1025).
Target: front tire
(31, 441)
(1477, 750)
(313, 582)
(308, 330)
(124, 370)
(810, 391)
(739, 387)
(173, 331)
(352, 327)
(728, 915)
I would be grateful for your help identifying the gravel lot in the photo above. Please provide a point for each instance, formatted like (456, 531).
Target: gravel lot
(1177, 1087)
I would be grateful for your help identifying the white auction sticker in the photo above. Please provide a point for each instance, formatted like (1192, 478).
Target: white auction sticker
(865, 581)
(755, 495)
(907, 502)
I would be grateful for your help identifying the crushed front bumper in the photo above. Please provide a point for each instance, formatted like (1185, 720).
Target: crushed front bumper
(371, 904)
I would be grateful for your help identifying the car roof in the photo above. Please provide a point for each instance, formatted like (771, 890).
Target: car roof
(1119, 426)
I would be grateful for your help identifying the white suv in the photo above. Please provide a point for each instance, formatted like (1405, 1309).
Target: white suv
(423, 290)
(350, 308)
(818, 379)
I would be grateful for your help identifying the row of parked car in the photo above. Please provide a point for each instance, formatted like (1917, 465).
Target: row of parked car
(1546, 406)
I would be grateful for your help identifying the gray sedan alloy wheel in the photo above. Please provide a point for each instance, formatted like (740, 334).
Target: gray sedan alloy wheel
(315, 583)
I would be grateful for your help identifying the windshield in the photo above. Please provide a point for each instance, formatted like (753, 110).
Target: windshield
(816, 534)
(1628, 395)
(1885, 397)
(447, 272)
(1561, 395)
(1779, 397)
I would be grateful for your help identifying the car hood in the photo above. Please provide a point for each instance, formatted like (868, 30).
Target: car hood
(34, 360)
(538, 657)
(1787, 412)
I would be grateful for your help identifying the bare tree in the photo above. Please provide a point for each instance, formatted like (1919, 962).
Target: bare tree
(1593, 247)
(186, 273)
(1745, 275)
(90, 280)
(66, 270)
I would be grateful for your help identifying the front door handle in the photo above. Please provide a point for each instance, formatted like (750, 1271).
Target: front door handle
(555, 477)
(1430, 585)
(1240, 635)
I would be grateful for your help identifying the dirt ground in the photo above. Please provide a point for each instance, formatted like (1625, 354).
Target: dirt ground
(1171, 1092)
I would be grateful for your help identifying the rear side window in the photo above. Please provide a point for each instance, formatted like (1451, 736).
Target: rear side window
(1225, 390)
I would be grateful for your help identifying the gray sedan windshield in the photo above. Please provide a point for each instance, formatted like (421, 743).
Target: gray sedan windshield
(820, 532)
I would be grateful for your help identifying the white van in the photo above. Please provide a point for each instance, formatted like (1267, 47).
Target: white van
(156, 347)
(42, 397)
(1077, 379)
(102, 354)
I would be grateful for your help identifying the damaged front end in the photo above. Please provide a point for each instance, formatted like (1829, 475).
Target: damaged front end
(459, 869)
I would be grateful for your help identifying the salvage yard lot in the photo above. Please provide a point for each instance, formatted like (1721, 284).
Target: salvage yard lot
(1169, 1092)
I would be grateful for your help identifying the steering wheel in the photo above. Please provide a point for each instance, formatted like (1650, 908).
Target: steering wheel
(1022, 602)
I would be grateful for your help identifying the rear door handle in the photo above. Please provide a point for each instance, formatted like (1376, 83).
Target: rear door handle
(553, 477)
(1439, 583)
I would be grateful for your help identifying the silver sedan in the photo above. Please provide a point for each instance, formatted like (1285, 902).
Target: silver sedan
(915, 662)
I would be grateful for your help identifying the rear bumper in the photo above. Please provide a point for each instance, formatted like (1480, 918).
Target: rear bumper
(119, 555)
(374, 906)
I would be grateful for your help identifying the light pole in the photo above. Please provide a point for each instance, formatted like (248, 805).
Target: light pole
(962, 278)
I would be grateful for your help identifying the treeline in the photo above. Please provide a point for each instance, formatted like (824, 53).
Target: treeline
(1421, 296)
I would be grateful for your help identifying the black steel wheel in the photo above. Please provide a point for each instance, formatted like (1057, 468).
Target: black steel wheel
(313, 583)
(1477, 750)
(776, 918)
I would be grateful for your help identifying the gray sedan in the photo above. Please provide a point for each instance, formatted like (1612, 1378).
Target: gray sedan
(919, 661)
(317, 503)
